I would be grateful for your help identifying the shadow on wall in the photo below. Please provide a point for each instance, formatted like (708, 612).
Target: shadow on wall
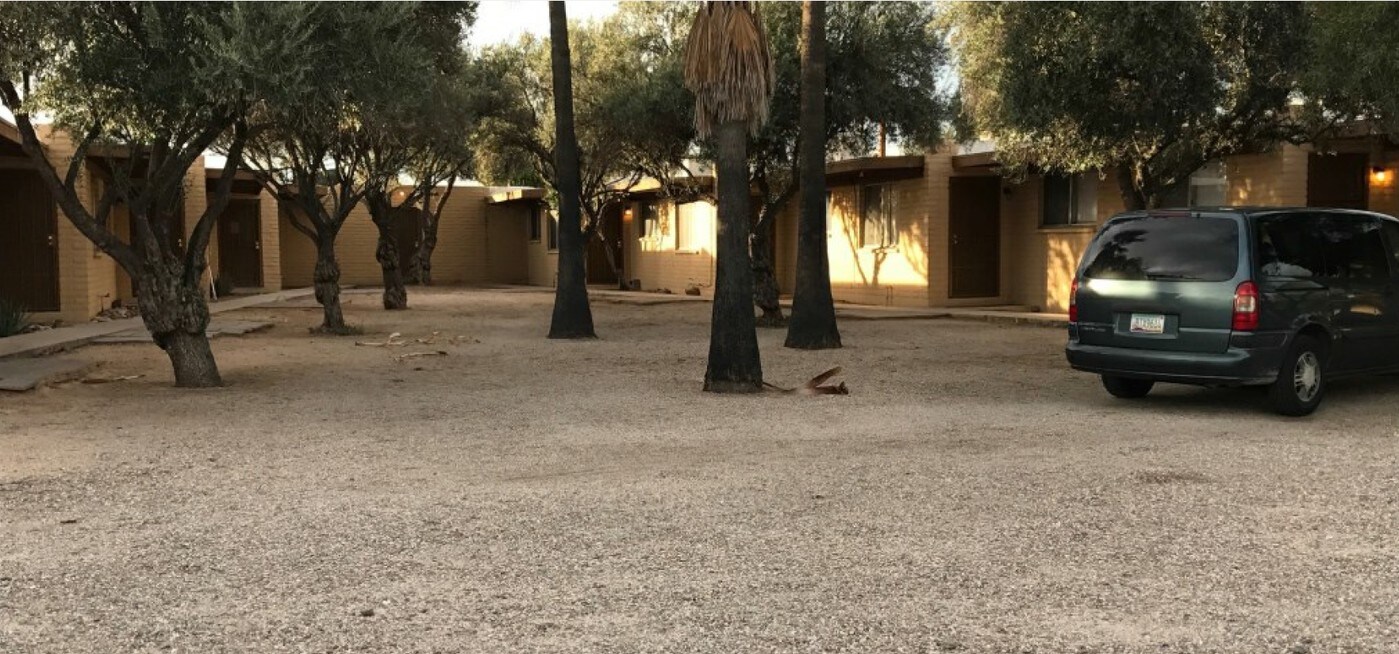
(1064, 253)
(903, 263)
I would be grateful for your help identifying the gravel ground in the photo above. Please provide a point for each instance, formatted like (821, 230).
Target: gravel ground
(521, 494)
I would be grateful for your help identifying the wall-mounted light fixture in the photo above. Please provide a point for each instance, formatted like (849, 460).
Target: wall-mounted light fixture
(1380, 176)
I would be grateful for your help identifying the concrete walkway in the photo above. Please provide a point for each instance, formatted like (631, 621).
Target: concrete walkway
(845, 311)
(62, 338)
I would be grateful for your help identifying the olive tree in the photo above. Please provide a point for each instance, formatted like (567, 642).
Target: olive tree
(1149, 91)
(143, 90)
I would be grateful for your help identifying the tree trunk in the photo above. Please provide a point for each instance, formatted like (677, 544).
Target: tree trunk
(1133, 199)
(327, 284)
(427, 242)
(395, 295)
(177, 316)
(813, 322)
(573, 317)
(734, 362)
(765, 290)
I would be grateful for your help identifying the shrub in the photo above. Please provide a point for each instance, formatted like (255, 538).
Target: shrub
(13, 318)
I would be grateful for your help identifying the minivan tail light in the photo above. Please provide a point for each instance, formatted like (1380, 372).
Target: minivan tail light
(1073, 301)
(1246, 307)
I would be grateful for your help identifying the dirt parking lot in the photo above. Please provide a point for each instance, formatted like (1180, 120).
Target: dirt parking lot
(521, 494)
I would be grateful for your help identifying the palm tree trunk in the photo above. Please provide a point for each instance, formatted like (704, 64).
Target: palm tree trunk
(573, 317)
(765, 290)
(734, 363)
(813, 322)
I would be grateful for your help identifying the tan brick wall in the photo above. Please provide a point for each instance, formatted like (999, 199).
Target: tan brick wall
(1042, 260)
(1277, 178)
(541, 263)
(657, 262)
(80, 263)
(897, 275)
(462, 255)
(269, 240)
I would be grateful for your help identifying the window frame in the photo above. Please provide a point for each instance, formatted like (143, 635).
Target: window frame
(552, 231)
(1073, 218)
(887, 220)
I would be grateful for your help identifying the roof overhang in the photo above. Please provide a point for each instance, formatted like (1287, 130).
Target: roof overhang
(240, 176)
(515, 195)
(873, 170)
(975, 160)
(9, 132)
(682, 187)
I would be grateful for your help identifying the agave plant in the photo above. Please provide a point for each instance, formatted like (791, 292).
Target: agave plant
(14, 319)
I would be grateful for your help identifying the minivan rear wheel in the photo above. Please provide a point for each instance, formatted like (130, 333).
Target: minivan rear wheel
(1127, 388)
(1301, 378)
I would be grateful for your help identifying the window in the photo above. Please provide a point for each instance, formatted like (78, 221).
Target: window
(1069, 200)
(1352, 248)
(1167, 249)
(535, 227)
(1287, 246)
(553, 224)
(1391, 233)
(1207, 187)
(877, 226)
(690, 226)
(650, 221)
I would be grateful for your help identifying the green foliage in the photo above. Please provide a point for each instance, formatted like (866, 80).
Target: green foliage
(1354, 65)
(14, 319)
(631, 110)
(882, 65)
(1152, 90)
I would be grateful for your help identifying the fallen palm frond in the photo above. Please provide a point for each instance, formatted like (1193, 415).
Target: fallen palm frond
(108, 380)
(416, 355)
(816, 386)
(430, 339)
(392, 341)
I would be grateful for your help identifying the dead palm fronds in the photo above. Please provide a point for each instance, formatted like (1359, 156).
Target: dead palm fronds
(816, 386)
(729, 66)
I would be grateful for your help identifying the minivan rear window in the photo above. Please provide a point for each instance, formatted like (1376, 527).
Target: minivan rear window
(1174, 248)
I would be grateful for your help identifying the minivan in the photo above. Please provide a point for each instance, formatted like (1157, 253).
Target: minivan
(1290, 299)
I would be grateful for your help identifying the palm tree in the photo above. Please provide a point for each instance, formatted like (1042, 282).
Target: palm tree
(813, 322)
(573, 318)
(730, 69)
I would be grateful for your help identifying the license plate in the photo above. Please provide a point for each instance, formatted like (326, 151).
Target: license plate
(1148, 323)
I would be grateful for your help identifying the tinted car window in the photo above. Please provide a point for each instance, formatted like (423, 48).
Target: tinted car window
(1353, 249)
(1288, 246)
(1166, 248)
(1391, 233)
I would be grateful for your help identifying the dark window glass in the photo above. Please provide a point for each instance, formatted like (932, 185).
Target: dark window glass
(534, 223)
(553, 225)
(1352, 248)
(1391, 234)
(1058, 200)
(874, 210)
(1288, 246)
(1166, 248)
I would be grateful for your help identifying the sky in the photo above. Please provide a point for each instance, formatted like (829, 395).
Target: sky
(499, 21)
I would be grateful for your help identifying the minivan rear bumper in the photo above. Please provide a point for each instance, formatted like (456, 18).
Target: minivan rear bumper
(1233, 367)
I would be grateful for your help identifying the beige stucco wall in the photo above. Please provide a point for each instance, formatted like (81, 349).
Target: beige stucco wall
(1042, 260)
(1276, 178)
(464, 253)
(657, 261)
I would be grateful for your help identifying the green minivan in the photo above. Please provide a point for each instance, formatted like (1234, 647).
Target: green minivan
(1284, 298)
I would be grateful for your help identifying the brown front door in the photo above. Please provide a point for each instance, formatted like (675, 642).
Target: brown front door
(29, 245)
(240, 245)
(406, 226)
(600, 270)
(1338, 180)
(974, 237)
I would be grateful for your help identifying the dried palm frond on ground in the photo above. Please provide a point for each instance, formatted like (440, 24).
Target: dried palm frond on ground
(816, 386)
(393, 340)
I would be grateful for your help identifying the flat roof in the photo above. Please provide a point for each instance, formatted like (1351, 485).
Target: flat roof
(873, 169)
(515, 195)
